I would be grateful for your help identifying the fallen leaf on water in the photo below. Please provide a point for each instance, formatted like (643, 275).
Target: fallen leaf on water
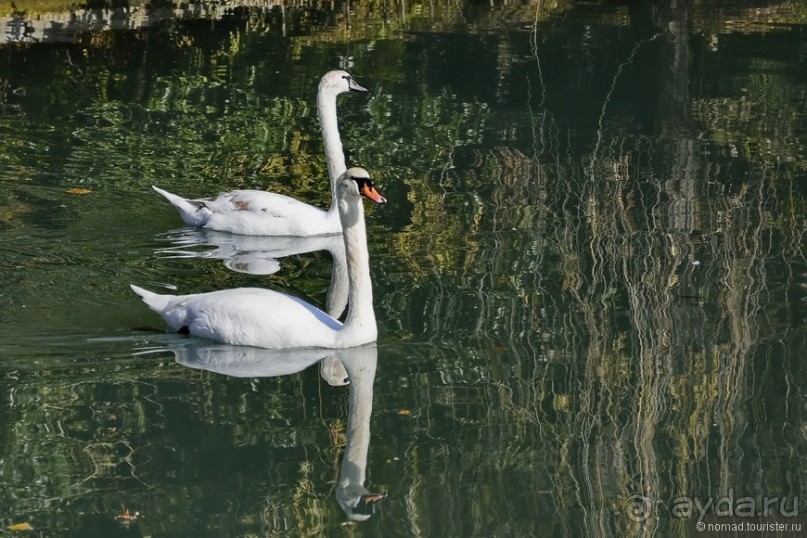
(127, 517)
(20, 527)
(405, 412)
(78, 191)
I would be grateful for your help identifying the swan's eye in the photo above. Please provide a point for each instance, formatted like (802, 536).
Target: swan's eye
(363, 182)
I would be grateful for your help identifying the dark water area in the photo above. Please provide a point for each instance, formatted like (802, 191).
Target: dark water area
(590, 279)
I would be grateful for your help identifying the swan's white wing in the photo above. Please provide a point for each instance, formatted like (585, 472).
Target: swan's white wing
(251, 317)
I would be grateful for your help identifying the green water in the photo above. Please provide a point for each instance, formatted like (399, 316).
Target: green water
(589, 279)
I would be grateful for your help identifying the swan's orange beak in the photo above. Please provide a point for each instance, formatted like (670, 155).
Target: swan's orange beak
(368, 190)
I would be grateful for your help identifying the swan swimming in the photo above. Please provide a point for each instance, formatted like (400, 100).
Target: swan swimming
(274, 320)
(254, 212)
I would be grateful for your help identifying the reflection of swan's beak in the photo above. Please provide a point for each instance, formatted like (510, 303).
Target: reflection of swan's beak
(366, 504)
(369, 191)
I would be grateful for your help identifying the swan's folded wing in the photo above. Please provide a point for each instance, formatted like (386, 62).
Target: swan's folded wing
(267, 213)
(258, 317)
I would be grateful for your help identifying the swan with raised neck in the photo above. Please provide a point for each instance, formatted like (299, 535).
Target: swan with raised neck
(254, 212)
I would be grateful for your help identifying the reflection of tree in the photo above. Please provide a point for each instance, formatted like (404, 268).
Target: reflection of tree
(656, 261)
(582, 328)
(150, 438)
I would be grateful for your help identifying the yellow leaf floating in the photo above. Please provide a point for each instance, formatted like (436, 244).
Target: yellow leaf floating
(20, 527)
(78, 192)
(405, 412)
(127, 517)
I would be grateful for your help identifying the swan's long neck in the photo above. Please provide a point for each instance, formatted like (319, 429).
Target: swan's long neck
(334, 155)
(361, 315)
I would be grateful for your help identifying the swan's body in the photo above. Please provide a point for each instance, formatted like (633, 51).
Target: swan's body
(274, 320)
(253, 212)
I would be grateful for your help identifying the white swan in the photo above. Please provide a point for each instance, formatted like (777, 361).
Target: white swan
(253, 212)
(274, 320)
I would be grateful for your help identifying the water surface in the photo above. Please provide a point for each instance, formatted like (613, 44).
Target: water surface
(589, 281)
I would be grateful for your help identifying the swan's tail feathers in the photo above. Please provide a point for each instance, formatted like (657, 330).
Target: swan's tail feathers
(190, 210)
(155, 301)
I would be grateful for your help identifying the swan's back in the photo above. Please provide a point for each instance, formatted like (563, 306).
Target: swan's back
(251, 212)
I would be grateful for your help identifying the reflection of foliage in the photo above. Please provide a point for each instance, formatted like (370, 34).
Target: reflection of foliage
(659, 273)
(748, 19)
(581, 328)
(758, 125)
(97, 447)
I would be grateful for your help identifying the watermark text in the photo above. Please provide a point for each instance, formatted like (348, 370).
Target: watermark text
(639, 507)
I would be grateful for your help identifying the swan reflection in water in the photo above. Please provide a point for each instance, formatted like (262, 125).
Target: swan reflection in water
(257, 255)
(360, 364)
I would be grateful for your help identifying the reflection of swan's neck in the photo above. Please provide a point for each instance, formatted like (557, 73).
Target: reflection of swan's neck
(360, 407)
(334, 156)
(360, 319)
(336, 299)
(354, 462)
